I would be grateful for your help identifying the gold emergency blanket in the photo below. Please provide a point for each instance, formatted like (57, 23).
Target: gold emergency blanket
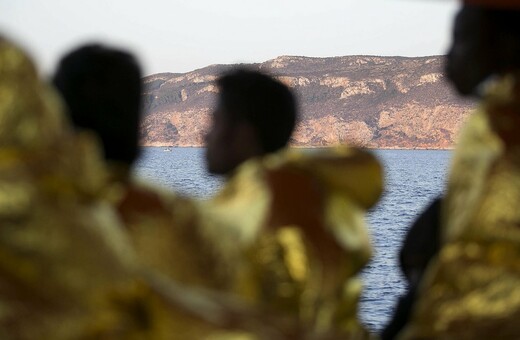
(67, 270)
(49, 273)
(288, 235)
(472, 290)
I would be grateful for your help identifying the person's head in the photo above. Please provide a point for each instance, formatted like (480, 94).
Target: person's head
(102, 89)
(486, 42)
(255, 115)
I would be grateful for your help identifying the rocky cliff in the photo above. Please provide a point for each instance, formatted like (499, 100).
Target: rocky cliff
(377, 102)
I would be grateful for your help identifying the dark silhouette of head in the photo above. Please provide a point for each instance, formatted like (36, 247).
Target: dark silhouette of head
(486, 42)
(102, 89)
(255, 115)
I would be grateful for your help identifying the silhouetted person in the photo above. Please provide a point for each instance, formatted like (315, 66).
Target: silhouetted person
(485, 45)
(255, 116)
(102, 89)
(292, 222)
(467, 291)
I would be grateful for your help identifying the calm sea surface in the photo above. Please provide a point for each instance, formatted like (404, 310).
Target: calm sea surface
(413, 178)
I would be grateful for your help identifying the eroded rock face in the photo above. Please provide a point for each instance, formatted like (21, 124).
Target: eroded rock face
(377, 102)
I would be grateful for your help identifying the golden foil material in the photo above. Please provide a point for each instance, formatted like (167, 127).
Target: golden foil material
(284, 239)
(163, 230)
(49, 272)
(67, 268)
(472, 289)
(289, 232)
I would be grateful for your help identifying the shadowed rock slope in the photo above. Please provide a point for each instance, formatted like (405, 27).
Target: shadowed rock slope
(377, 102)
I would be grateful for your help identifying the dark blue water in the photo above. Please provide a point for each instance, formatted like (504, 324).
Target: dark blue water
(179, 169)
(413, 178)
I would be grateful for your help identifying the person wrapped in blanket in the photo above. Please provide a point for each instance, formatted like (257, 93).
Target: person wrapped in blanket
(68, 270)
(57, 266)
(471, 287)
(293, 219)
(102, 88)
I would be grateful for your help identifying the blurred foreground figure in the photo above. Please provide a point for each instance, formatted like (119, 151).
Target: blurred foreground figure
(290, 224)
(65, 265)
(102, 89)
(60, 274)
(471, 289)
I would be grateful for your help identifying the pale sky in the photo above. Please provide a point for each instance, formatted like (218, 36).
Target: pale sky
(183, 35)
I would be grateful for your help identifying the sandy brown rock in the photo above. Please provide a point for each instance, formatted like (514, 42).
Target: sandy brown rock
(378, 102)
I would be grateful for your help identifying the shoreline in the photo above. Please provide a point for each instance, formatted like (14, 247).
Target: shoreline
(302, 147)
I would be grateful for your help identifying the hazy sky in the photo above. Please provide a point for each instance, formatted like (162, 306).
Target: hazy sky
(183, 35)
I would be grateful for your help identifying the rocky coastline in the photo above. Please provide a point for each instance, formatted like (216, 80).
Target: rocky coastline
(371, 101)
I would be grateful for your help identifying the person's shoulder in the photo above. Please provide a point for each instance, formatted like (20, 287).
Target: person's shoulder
(145, 198)
(350, 170)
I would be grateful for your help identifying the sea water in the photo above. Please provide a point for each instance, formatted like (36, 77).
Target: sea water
(413, 178)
